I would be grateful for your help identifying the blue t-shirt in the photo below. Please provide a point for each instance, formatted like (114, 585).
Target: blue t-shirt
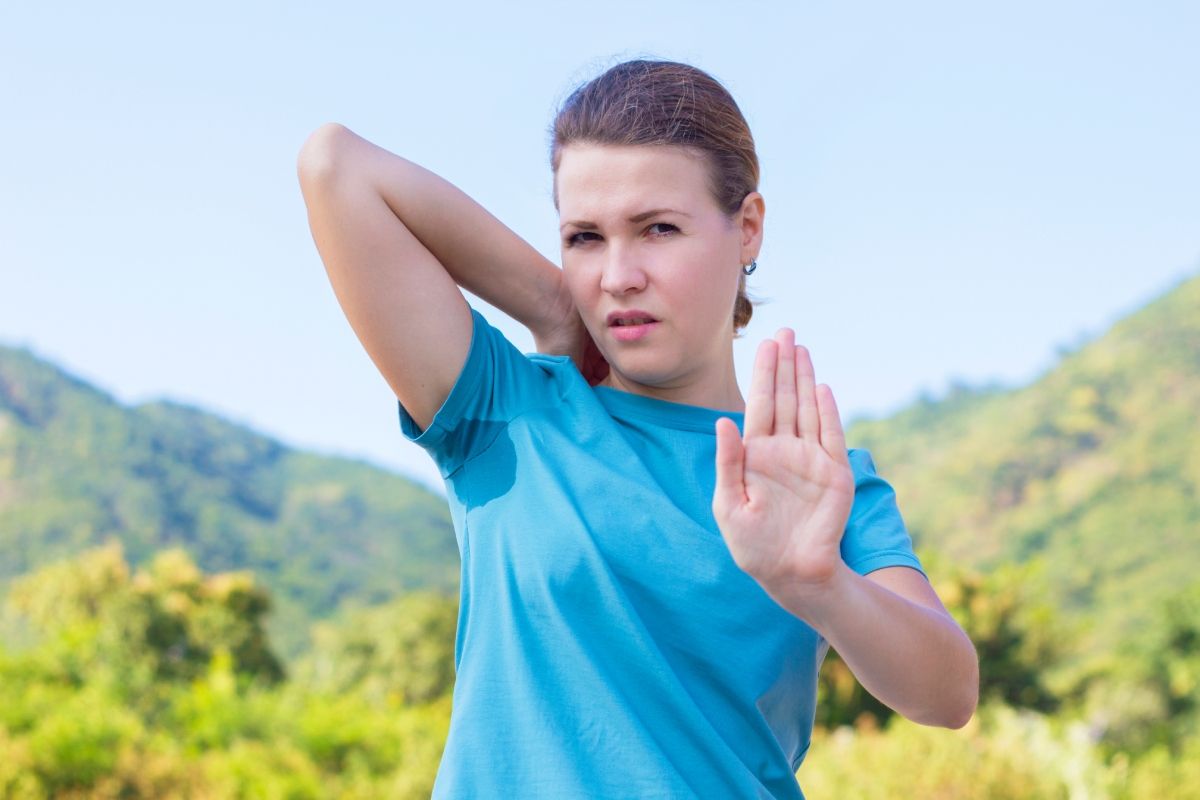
(608, 646)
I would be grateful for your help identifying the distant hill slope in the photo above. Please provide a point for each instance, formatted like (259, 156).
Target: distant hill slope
(1094, 468)
(76, 467)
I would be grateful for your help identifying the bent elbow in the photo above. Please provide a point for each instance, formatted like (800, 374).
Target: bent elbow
(953, 717)
(956, 703)
(964, 709)
(318, 155)
(961, 716)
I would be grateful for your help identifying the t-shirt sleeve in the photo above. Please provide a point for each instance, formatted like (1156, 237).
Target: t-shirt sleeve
(875, 535)
(496, 384)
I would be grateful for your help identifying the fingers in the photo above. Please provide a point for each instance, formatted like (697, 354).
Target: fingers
(809, 418)
(760, 406)
(833, 438)
(785, 382)
(730, 491)
(784, 398)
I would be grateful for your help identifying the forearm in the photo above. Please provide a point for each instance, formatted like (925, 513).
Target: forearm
(913, 658)
(479, 252)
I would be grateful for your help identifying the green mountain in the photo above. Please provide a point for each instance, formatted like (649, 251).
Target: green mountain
(1092, 470)
(77, 468)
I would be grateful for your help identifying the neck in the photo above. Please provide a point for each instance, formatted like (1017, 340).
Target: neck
(720, 392)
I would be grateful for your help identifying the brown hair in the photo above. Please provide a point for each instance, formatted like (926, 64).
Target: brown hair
(645, 102)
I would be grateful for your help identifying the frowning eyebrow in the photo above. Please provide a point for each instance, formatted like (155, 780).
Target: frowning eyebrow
(642, 217)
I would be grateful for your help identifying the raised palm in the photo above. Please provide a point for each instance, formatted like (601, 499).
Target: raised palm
(784, 487)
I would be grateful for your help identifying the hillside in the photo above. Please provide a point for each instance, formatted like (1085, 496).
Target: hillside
(1093, 470)
(77, 467)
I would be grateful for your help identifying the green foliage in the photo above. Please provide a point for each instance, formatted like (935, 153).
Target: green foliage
(1161, 773)
(1175, 665)
(367, 716)
(1001, 755)
(157, 683)
(76, 469)
(398, 653)
(1147, 696)
(78, 741)
(160, 624)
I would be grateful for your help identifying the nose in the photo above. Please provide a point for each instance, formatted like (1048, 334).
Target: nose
(622, 272)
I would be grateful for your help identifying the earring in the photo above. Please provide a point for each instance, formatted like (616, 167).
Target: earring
(748, 269)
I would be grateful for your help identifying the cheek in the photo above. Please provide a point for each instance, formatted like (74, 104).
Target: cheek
(571, 276)
(708, 282)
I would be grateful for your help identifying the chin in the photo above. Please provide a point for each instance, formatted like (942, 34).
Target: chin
(644, 371)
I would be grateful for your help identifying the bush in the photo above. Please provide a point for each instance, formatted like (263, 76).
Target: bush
(1001, 754)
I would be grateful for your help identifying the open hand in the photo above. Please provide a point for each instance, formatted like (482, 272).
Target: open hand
(784, 490)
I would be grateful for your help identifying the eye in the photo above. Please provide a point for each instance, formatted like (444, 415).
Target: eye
(666, 228)
(577, 238)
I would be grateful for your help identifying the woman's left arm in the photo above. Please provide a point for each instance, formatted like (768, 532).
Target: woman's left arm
(784, 492)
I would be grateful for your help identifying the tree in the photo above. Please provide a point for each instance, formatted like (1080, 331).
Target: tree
(93, 618)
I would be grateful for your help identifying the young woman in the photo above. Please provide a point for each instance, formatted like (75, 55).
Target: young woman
(653, 566)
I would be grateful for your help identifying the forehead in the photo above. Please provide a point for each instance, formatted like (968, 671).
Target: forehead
(594, 181)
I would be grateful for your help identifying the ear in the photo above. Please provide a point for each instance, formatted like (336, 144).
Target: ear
(751, 218)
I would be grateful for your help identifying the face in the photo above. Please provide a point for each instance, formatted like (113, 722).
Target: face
(653, 265)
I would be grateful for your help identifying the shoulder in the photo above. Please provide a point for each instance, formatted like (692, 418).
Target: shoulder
(861, 462)
(869, 486)
(876, 535)
(496, 385)
(504, 369)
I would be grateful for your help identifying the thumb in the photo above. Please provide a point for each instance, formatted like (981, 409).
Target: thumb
(730, 491)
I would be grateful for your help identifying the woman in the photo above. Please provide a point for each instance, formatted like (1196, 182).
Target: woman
(652, 566)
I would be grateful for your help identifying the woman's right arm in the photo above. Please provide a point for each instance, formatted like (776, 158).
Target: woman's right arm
(397, 241)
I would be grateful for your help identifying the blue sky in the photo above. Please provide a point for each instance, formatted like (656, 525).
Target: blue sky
(953, 190)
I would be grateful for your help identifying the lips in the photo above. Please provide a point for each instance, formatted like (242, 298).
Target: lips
(631, 325)
(632, 317)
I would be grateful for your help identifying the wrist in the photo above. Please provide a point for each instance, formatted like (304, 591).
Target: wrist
(558, 313)
(817, 603)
